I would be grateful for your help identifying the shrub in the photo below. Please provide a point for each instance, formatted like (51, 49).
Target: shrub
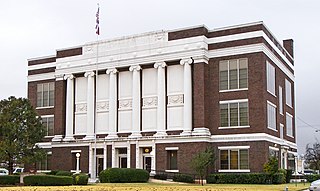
(47, 180)
(9, 180)
(312, 177)
(64, 173)
(116, 175)
(288, 175)
(183, 178)
(80, 179)
(161, 176)
(52, 172)
(245, 178)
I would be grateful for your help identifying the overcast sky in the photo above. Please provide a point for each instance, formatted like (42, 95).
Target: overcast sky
(36, 28)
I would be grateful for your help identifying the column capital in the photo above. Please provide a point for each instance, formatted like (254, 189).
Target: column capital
(186, 61)
(89, 74)
(160, 64)
(111, 71)
(134, 68)
(68, 76)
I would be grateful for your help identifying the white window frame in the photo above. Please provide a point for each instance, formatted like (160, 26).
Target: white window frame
(288, 87)
(47, 127)
(238, 102)
(238, 148)
(280, 94)
(238, 75)
(42, 105)
(289, 126)
(271, 78)
(271, 120)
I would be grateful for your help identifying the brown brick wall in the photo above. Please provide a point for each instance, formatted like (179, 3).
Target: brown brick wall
(42, 61)
(192, 32)
(60, 107)
(69, 52)
(133, 156)
(62, 158)
(41, 71)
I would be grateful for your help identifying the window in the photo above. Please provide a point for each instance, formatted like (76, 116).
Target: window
(289, 123)
(273, 152)
(48, 123)
(271, 108)
(234, 159)
(271, 79)
(233, 74)
(234, 114)
(45, 94)
(44, 163)
(280, 101)
(288, 93)
(172, 160)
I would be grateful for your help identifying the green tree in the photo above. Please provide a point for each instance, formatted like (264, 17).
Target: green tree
(202, 161)
(20, 130)
(272, 166)
(312, 156)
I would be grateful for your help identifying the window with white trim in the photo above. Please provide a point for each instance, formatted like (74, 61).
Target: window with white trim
(271, 78)
(272, 121)
(234, 159)
(280, 100)
(233, 74)
(48, 123)
(289, 124)
(172, 160)
(288, 93)
(45, 94)
(234, 114)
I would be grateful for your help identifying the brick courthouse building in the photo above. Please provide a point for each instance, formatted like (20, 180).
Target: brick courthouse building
(161, 97)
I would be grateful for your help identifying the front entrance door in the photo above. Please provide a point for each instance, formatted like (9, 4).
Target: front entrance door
(123, 162)
(147, 163)
(99, 164)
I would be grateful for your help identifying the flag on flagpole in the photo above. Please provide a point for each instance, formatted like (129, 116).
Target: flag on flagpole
(97, 22)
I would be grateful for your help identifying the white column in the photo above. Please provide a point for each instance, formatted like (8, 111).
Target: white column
(91, 170)
(161, 110)
(112, 103)
(128, 154)
(138, 165)
(136, 102)
(187, 89)
(90, 106)
(153, 159)
(114, 157)
(104, 156)
(69, 108)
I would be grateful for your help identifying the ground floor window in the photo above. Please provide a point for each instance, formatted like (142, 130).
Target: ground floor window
(172, 160)
(44, 164)
(234, 159)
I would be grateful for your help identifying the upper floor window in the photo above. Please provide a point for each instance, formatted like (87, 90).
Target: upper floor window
(271, 78)
(45, 94)
(289, 124)
(48, 123)
(288, 93)
(272, 124)
(234, 113)
(280, 101)
(233, 74)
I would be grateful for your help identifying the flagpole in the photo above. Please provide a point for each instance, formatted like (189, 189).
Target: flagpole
(94, 176)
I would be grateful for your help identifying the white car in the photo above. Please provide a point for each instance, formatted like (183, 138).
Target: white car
(3, 172)
(315, 186)
(18, 170)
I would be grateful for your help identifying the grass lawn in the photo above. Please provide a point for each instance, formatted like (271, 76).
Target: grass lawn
(164, 187)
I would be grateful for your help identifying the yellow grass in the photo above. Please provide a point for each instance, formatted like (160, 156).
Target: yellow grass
(162, 187)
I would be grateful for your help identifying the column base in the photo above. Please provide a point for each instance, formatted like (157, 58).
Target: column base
(68, 138)
(112, 136)
(185, 133)
(161, 134)
(201, 131)
(135, 135)
(57, 138)
(88, 137)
